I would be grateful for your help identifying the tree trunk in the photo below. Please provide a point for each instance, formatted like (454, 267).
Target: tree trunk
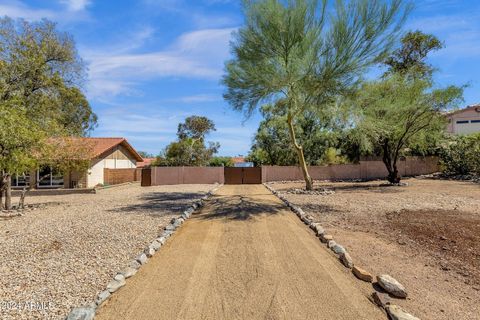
(301, 156)
(8, 192)
(391, 164)
(21, 203)
(2, 189)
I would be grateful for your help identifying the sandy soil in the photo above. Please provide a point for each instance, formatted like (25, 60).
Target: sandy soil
(65, 253)
(245, 256)
(426, 235)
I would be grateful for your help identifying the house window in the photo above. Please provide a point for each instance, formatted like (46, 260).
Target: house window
(20, 180)
(48, 178)
(475, 121)
(462, 121)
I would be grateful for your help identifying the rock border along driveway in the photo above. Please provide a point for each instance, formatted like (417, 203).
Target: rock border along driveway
(88, 312)
(386, 282)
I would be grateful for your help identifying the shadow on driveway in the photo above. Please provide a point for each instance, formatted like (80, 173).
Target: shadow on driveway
(161, 203)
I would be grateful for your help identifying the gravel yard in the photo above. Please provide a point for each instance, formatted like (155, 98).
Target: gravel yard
(63, 254)
(426, 235)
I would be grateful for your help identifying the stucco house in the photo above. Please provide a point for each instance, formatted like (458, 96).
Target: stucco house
(103, 153)
(464, 121)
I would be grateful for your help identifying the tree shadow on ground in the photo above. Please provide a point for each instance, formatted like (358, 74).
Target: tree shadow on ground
(161, 203)
(353, 187)
(239, 208)
(319, 208)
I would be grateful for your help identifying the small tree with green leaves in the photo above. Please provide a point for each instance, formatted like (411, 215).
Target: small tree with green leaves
(40, 97)
(403, 109)
(394, 113)
(297, 56)
(190, 148)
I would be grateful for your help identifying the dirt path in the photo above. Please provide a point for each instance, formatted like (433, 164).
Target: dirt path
(245, 256)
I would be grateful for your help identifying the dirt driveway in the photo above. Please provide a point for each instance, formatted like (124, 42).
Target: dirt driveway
(245, 256)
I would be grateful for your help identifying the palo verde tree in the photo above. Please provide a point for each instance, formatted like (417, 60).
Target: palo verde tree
(296, 55)
(403, 109)
(40, 97)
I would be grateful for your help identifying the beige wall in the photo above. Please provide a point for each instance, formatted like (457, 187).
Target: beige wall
(470, 115)
(118, 158)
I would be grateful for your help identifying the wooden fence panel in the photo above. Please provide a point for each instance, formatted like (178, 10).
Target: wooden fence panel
(118, 176)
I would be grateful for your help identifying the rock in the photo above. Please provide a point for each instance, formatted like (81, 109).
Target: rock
(119, 277)
(141, 258)
(162, 240)
(381, 299)
(155, 245)
(331, 243)
(338, 249)
(84, 313)
(392, 286)
(326, 237)
(346, 260)
(149, 251)
(170, 227)
(115, 284)
(177, 223)
(129, 272)
(134, 264)
(362, 274)
(181, 220)
(397, 313)
(102, 296)
(167, 233)
(319, 229)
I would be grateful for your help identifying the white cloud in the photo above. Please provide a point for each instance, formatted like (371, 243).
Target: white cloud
(17, 9)
(198, 54)
(76, 5)
(199, 98)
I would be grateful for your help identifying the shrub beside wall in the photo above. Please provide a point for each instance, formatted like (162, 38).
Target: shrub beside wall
(461, 156)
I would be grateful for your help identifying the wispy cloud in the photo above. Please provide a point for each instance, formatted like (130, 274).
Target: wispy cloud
(199, 54)
(19, 9)
(76, 5)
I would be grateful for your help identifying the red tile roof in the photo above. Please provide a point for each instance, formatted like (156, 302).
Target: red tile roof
(238, 159)
(96, 147)
(145, 163)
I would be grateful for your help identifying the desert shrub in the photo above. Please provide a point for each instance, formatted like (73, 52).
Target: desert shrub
(461, 155)
(221, 162)
(332, 156)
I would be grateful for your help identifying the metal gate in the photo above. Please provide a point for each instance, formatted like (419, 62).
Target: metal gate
(243, 175)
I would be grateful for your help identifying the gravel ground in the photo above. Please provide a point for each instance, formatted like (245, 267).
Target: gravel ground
(426, 235)
(61, 256)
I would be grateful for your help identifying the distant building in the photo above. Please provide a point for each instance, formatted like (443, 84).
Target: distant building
(239, 162)
(147, 162)
(464, 121)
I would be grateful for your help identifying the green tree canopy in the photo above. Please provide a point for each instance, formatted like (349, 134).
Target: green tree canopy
(296, 56)
(403, 109)
(40, 97)
(190, 149)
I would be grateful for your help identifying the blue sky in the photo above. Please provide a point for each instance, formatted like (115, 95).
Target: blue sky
(154, 62)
